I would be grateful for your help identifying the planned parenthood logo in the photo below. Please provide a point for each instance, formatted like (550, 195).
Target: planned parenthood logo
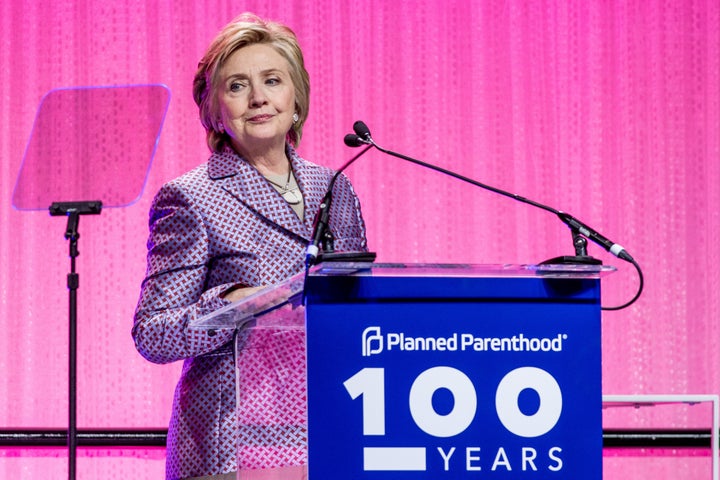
(374, 342)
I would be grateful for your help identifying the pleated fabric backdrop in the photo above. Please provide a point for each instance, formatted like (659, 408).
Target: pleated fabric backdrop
(608, 110)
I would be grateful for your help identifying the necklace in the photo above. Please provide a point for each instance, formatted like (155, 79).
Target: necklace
(289, 192)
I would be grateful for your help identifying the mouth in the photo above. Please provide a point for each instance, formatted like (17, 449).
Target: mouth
(259, 118)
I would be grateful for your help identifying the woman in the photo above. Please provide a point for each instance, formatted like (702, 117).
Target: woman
(230, 226)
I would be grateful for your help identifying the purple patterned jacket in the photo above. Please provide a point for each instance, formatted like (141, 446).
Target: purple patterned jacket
(219, 225)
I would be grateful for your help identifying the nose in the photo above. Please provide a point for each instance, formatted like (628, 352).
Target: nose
(257, 96)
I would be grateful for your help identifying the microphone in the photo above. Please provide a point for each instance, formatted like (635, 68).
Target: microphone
(580, 231)
(587, 232)
(352, 140)
(321, 233)
(320, 225)
(362, 131)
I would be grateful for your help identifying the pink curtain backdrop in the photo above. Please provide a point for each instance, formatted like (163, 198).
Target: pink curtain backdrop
(606, 109)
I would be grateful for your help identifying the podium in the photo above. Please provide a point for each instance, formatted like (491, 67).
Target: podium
(420, 371)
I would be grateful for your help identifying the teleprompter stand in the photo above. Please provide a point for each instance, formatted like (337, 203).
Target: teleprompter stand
(73, 210)
(88, 142)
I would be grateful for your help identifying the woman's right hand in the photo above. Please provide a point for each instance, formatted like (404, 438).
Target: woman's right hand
(239, 293)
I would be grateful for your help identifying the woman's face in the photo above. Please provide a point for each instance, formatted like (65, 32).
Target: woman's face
(257, 99)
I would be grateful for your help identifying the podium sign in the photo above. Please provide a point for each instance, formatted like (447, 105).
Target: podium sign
(443, 373)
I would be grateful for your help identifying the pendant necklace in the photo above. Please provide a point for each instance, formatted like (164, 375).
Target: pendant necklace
(290, 193)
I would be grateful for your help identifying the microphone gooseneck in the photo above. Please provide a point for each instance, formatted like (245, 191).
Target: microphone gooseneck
(580, 230)
(322, 217)
(364, 137)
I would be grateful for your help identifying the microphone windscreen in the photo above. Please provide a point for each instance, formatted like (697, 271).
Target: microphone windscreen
(352, 140)
(361, 129)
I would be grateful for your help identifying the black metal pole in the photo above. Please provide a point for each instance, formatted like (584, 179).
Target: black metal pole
(73, 210)
(73, 282)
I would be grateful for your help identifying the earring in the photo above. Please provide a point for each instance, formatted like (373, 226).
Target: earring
(221, 127)
(296, 117)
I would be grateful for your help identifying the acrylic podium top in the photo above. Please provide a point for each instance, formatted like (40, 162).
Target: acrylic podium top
(334, 274)
(462, 270)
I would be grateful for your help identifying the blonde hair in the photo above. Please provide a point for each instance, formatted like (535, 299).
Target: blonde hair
(248, 29)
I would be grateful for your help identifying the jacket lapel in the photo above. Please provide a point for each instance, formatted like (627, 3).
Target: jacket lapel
(244, 182)
(313, 185)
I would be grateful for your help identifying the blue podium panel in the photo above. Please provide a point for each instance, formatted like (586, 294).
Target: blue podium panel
(461, 374)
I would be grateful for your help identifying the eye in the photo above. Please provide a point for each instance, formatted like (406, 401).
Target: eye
(272, 81)
(237, 84)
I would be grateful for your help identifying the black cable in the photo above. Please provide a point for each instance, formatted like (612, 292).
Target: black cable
(637, 295)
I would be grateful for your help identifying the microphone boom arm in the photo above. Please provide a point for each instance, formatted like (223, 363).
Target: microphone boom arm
(580, 231)
(321, 232)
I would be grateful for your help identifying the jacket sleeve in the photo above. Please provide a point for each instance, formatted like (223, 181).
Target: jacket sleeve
(346, 220)
(174, 290)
